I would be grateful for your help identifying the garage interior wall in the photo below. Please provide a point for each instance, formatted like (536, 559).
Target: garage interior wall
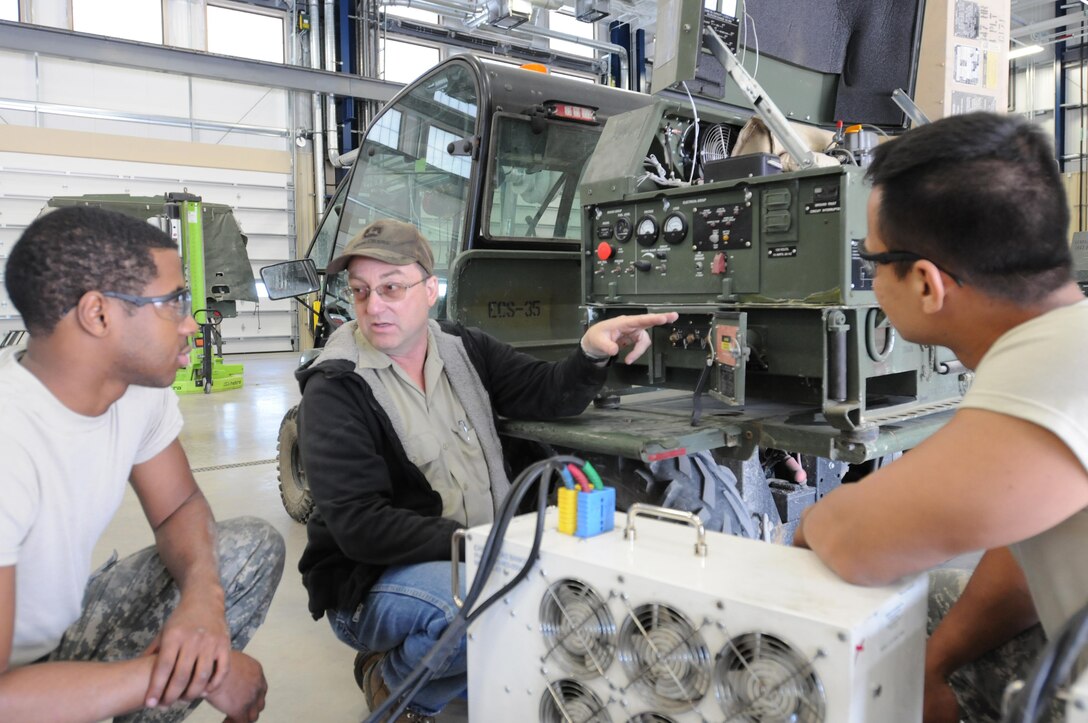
(1033, 93)
(74, 128)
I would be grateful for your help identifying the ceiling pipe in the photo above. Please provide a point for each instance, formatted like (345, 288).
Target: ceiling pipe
(469, 16)
(1052, 24)
(315, 102)
(601, 45)
(332, 138)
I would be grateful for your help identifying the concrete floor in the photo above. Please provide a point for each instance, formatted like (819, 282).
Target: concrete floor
(230, 438)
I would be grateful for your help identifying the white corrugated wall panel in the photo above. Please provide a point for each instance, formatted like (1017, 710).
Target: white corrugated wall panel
(262, 203)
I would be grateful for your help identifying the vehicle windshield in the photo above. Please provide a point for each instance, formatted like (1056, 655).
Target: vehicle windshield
(321, 249)
(413, 166)
(533, 178)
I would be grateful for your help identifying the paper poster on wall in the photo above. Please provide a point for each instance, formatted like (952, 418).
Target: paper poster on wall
(965, 21)
(967, 65)
(971, 102)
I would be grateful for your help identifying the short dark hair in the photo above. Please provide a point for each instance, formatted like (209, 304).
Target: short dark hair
(981, 195)
(70, 251)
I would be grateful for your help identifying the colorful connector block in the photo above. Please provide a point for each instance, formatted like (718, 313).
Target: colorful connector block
(585, 514)
(568, 510)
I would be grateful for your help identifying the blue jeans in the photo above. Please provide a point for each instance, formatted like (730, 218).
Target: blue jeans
(403, 616)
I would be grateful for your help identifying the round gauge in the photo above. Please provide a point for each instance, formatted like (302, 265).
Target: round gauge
(647, 230)
(675, 228)
(623, 230)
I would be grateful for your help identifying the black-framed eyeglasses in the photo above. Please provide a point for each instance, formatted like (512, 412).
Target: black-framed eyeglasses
(392, 291)
(174, 306)
(869, 261)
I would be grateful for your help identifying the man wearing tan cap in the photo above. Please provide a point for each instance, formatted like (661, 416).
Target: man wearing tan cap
(414, 454)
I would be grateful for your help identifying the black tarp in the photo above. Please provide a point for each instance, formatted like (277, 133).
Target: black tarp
(870, 44)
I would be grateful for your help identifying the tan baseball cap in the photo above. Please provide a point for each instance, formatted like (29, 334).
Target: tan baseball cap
(394, 242)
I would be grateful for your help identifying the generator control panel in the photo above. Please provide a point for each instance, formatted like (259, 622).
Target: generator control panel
(784, 238)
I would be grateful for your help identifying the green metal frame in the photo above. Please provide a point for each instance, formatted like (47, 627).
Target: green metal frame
(190, 228)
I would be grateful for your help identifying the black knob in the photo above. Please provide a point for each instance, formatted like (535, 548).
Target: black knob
(643, 265)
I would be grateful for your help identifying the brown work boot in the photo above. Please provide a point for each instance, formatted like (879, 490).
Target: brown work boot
(368, 676)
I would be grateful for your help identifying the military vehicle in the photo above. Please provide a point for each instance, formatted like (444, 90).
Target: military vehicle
(552, 203)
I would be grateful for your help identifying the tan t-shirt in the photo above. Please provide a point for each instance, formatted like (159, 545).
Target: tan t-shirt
(1035, 372)
(440, 440)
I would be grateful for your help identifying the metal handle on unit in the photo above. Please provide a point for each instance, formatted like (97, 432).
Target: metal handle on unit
(665, 513)
(456, 538)
(951, 367)
(764, 106)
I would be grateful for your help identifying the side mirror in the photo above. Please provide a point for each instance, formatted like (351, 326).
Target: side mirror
(290, 278)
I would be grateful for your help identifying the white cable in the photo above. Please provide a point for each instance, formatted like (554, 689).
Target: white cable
(755, 38)
(695, 141)
(657, 164)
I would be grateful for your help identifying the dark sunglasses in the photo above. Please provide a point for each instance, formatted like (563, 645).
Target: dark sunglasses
(869, 261)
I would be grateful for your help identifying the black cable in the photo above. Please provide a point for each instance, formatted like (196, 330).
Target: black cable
(451, 637)
(405, 700)
(538, 535)
(697, 395)
(1053, 668)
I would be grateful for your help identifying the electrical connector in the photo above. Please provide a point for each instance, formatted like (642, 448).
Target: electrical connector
(587, 514)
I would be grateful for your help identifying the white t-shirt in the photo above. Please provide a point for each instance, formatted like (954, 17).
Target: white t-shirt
(63, 478)
(1036, 372)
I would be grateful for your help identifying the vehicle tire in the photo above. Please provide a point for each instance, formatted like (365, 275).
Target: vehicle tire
(294, 491)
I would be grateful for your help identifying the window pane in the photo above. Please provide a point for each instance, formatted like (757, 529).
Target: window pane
(406, 171)
(404, 62)
(9, 10)
(321, 249)
(579, 78)
(726, 7)
(533, 179)
(563, 23)
(245, 34)
(412, 14)
(129, 19)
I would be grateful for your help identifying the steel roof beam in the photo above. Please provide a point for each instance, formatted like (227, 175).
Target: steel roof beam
(146, 56)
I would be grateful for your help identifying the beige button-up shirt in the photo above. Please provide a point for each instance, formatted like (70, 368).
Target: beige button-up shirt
(440, 441)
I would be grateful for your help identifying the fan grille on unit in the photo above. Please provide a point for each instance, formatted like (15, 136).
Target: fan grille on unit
(578, 628)
(664, 656)
(763, 679)
(568, 701)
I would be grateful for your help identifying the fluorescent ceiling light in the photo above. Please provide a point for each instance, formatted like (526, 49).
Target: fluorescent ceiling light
(1024, 50)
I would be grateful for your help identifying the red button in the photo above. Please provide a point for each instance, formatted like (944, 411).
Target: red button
(604, 251)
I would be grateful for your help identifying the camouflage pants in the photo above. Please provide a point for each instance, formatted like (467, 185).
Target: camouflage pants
(127, 601)
(979, 686)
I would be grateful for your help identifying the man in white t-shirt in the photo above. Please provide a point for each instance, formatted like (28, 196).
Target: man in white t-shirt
(968, 236)
(85, 409)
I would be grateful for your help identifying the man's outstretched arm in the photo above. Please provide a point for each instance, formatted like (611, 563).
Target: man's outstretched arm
(984, 480)
(607, 338)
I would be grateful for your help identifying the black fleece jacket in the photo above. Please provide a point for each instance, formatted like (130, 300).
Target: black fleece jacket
(374, 508)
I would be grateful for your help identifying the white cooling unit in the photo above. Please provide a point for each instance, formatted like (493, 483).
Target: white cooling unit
(612, 630)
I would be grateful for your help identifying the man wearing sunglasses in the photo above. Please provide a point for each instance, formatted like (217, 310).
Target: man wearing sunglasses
(413, 453)
(968, 241)
(85, 408)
